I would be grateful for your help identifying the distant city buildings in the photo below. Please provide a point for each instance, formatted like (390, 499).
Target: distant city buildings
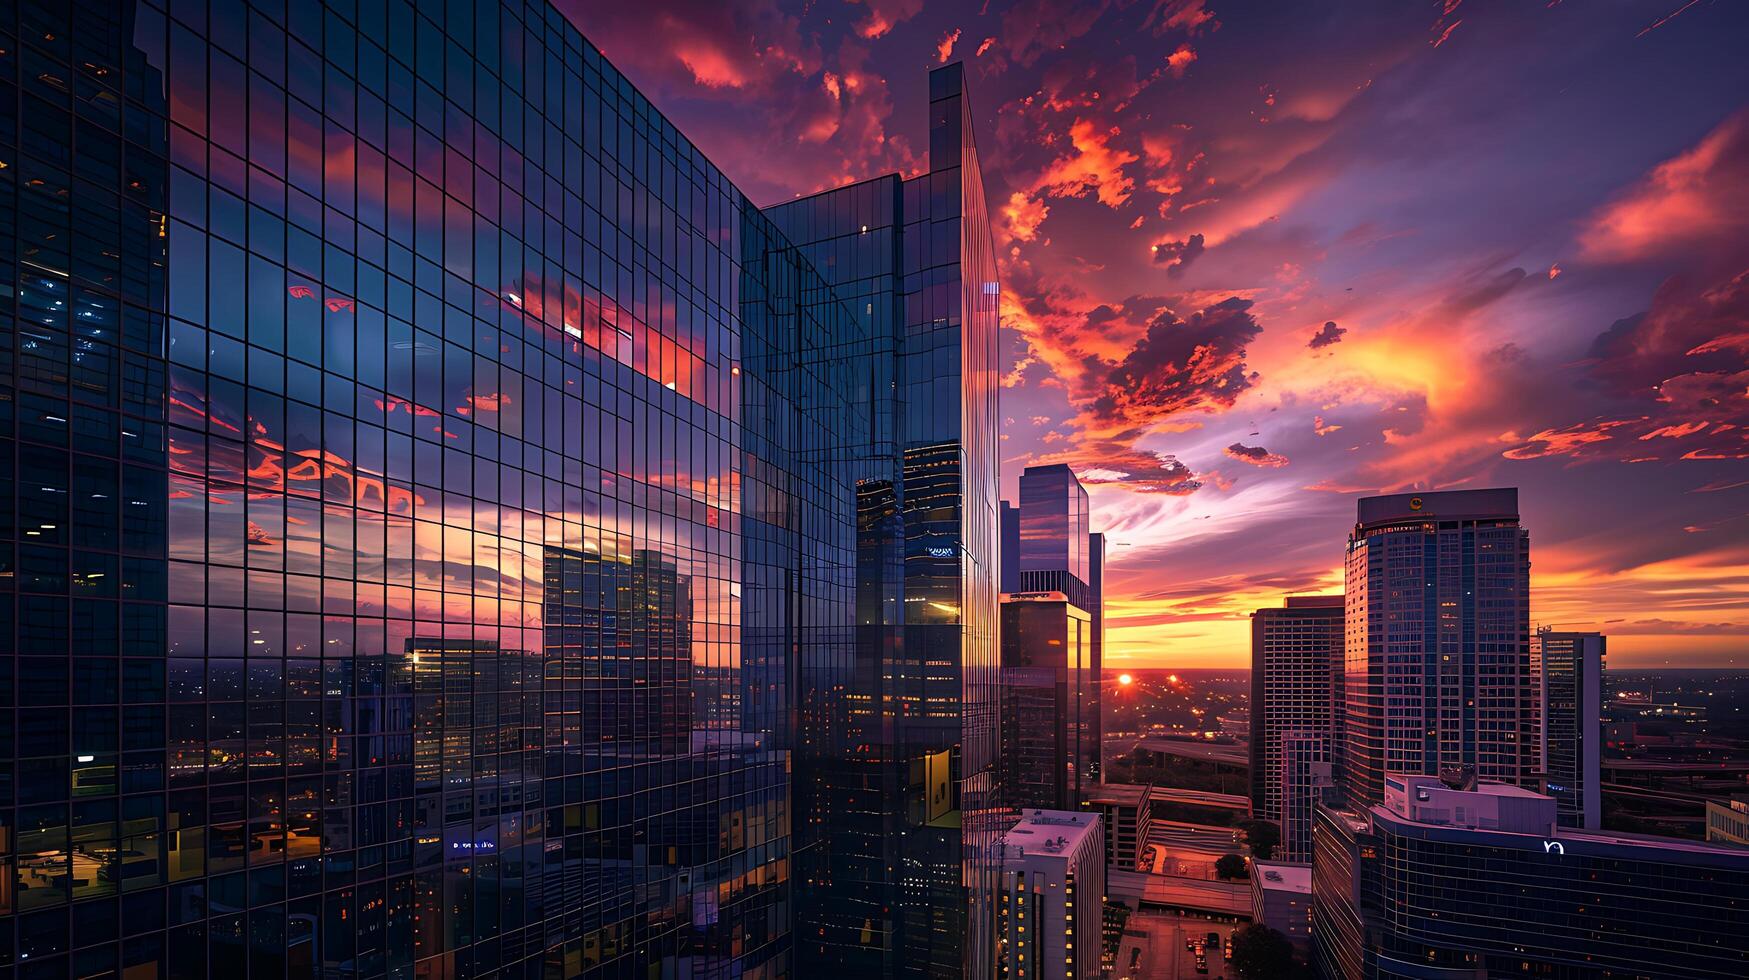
(1727, 821)
(1436, 639)
(1051, 896)
(1571, 716)
(1052, 642)
(1454, 877)
(1296, 688)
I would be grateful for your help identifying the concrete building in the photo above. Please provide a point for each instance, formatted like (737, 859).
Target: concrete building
(1296, 690)
(1126, 812)
(1306, 772)
(1436, 642)
(1571, 723)
(1281, 898)
(1449, 879)
(1727, 821)
(1051, 897)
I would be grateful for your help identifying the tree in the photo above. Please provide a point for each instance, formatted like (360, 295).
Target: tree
(1262, 836)
(1231, 866)
(1261, 953)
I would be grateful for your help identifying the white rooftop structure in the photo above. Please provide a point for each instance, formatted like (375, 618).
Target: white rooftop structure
(1463, 801)
(1283, 876)
(1049, 832)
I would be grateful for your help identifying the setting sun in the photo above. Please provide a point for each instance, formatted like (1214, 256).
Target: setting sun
(1125, 679)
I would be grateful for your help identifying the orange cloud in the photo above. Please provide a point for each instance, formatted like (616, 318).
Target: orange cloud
(1022, 215)
(944, 50)
(1095, 167)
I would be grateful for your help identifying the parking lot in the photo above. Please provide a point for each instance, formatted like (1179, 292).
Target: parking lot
(1154, 948)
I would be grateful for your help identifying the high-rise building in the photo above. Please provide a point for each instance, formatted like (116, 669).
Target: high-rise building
(1050, 905)
(1054, 542)
(902, 882)
(445, 520)
(1047, 551)
(1436, 639)
(1048, 701)
(1096, 608)
(1572, 725)
(1296, 692)
(1470, 879)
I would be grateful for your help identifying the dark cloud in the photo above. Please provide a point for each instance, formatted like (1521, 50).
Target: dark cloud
(1196, 364)
(1255, 455)
(1177, 256)
(1330, 334)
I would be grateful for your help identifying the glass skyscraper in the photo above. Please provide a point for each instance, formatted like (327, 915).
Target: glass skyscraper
(905, 770)
(442, 520)
(1436, 627)
(1056, 567)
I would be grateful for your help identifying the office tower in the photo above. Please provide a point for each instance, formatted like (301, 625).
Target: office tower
(1047, 701)
(1296, 690)
(1455, 877)
(1128, 814)
(1047, 541)
(401, 420)
(1436, 639)
(902, 882)
(1572, 724)
(1306, 772)
(1050, 906)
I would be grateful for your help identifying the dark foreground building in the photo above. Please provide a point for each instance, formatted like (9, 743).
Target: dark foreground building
(898, 775)
(1455, 881)
(427, 511)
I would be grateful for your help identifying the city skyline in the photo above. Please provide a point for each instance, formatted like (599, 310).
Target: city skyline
(1505, 277)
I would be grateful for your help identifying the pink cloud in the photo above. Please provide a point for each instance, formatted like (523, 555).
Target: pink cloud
(1697, 198)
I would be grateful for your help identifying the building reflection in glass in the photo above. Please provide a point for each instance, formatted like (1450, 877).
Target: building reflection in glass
(419, 494)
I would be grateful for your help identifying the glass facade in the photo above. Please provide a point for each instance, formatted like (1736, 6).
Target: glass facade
(1398, 898)
(1048, 701)
(1436, 640)
(1046, 548)
(424, 509)
(1053, 532)
(906, 773)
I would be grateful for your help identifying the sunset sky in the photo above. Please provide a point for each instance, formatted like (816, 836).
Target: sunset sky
(1261, 259)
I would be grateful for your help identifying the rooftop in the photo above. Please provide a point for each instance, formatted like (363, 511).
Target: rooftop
(1128, 793)
(1282, 876)
(1050, 831)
